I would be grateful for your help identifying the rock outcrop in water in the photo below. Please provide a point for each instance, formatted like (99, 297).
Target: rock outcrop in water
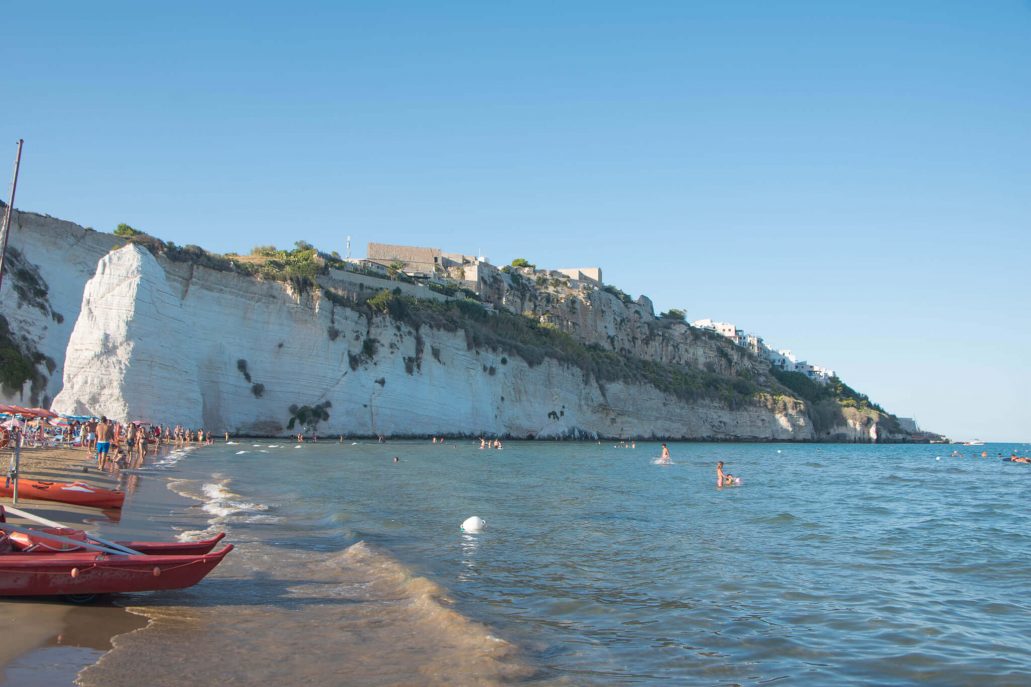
(176, 341)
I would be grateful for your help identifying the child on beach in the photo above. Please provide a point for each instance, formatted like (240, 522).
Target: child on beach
(121, 460)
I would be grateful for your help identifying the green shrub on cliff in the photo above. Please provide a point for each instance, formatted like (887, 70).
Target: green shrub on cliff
(125, 231)
(827, 402)
(16, 367)
(621, 295)
(835, 389)
(308, 416)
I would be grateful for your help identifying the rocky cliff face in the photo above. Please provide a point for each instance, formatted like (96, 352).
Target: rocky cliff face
(122, 332)
(180, 343)
(48, 263)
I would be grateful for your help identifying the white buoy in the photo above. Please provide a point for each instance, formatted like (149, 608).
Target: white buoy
(473, 525)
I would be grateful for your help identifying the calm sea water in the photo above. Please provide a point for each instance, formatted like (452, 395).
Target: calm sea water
(828, 565)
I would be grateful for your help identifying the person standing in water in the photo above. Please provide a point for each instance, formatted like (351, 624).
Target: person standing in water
(665, 455)
(721, 478)
(103, 441)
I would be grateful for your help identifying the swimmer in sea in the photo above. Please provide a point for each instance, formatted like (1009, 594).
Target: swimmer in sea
(721, 478)
(665, 455)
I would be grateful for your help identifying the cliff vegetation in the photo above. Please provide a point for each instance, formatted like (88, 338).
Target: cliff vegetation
(535, 329)
(534, 341)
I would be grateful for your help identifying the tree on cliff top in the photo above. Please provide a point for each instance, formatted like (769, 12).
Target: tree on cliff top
(125, 231)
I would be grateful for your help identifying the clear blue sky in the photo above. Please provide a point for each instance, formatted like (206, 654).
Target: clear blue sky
(850, 180)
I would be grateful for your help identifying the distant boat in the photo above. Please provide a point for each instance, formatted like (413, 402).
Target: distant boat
(975, 442)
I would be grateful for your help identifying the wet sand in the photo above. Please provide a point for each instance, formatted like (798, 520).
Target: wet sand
(47, 642)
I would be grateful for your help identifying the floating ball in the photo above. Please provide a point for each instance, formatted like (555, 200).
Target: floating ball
(75, 572)
(473, 525)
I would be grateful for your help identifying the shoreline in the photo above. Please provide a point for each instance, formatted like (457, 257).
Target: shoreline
(334, 438)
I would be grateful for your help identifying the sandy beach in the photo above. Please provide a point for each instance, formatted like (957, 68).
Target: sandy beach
(33, 628)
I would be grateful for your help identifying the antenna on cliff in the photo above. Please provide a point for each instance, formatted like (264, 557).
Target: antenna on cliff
(348, 247)
(5, 227)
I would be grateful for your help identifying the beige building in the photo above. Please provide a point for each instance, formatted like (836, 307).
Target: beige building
(589, 275)
(417, 261)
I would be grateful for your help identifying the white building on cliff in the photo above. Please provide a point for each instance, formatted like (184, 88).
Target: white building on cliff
(781, 359)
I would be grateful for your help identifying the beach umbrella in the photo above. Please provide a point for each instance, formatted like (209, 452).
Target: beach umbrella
(12, 423)
(43, 412)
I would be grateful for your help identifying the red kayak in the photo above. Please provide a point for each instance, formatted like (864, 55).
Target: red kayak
(85, 573)
(75, 493)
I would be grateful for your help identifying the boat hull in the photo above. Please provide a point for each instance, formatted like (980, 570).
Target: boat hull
(185, 548)
(86, 573)
(75, 493)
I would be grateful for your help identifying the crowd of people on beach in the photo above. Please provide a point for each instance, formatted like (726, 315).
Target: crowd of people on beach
(125, 445)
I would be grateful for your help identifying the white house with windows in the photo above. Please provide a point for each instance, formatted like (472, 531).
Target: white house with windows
(722, 328)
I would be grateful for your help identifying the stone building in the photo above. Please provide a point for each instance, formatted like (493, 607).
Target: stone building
(417, 261)
(588, 275)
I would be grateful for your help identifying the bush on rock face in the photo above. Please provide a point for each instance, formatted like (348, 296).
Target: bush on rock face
(308, 416)
(125, 231)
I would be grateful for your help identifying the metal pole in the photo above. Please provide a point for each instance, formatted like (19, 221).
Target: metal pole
(16, 435)
(6, 227)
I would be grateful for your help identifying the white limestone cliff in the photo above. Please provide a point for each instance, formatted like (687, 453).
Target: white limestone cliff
(179, 343)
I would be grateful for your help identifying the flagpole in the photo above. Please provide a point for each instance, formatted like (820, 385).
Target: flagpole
(6, 226)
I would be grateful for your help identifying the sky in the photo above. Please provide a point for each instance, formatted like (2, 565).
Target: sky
(849, 180)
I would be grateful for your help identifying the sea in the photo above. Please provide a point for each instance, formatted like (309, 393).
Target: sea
(829, 564)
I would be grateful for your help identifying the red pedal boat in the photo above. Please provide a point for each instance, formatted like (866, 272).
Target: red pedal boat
(62, 561)
(76, 493)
